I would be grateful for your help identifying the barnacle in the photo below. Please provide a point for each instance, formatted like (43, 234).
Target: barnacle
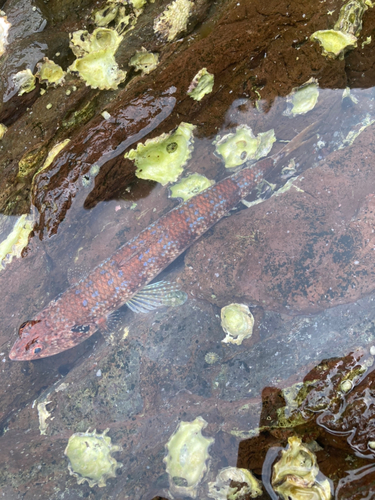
(16, 240)
(237, 322)
(174, 19)
(50, 73)
(221, 489)
(3, 129)
(162, 159)
(334, 43)
(95, 62)
(90, 457)
(201, 85)
(190, 186)
(43, 415)
(24, 81)
(241, 146)
(296, 475)
(4, 28)
(302, 99)
(144, 61)
(187, 458)
(211, 358)
(344, 34)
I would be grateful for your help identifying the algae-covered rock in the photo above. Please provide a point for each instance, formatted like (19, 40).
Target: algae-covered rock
(90, 457)
(174, 19)
(202, 84)
(190, 186)
(238, 147)
(187, 458)
(162, 159)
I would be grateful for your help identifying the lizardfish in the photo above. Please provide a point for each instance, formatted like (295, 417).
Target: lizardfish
(81, 310)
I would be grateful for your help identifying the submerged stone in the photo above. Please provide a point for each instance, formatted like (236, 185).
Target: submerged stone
(90, 457)
(187, 458)
(162, 159)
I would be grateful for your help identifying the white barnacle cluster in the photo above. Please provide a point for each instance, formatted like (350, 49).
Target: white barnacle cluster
(174, 19)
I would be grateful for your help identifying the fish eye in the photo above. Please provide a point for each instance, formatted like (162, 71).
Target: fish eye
(37, 350)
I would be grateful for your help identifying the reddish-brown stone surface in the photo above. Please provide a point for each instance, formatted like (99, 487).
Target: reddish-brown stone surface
(301, 251)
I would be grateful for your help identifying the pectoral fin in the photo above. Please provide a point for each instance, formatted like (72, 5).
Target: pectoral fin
(157, 295)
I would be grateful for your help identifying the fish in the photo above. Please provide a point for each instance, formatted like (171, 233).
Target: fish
(125, 277)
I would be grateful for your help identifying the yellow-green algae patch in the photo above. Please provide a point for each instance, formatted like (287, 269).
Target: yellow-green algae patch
(174, 19)
(95, 62)
(24, 81)
(190, 186)
(16, 241)
(303, 99)
(162, 159)
(90, 457)
(50, 73)
(144, 61)
(221, 489)
(238, 147)
(237, 322)
(202, 84)
(187, 458)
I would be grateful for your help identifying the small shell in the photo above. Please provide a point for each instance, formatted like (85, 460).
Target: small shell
(303, 99)
(174, 19)
(334, 43)
(90, 457)
(3, 129)
(221, 489)
(211, 358)
(144, 61)
(50, 73)
(24, 81)
(4, 29)
(237, 322)
(202, 84)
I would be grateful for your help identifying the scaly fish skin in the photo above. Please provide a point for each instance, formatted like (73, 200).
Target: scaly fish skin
(78, 312)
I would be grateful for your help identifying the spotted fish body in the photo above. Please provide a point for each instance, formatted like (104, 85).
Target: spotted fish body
(78, 312)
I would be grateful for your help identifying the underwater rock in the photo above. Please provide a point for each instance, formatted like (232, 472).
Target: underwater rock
(174, 19)
(162, 159)
(4, 29)
(50, 73)
(90, 457)
(237, 322)
(202, 84)
(187, 459)
(24, 81)
(303, 99)
(241, 146)
(95, 62)
(189, 186)
(220, 489)
(144, 61)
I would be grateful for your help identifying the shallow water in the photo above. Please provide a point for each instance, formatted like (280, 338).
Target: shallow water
(297, 252)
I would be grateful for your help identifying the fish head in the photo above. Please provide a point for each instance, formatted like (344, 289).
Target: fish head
(38, 339)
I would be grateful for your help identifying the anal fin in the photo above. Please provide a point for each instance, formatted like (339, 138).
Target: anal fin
(157, 295)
